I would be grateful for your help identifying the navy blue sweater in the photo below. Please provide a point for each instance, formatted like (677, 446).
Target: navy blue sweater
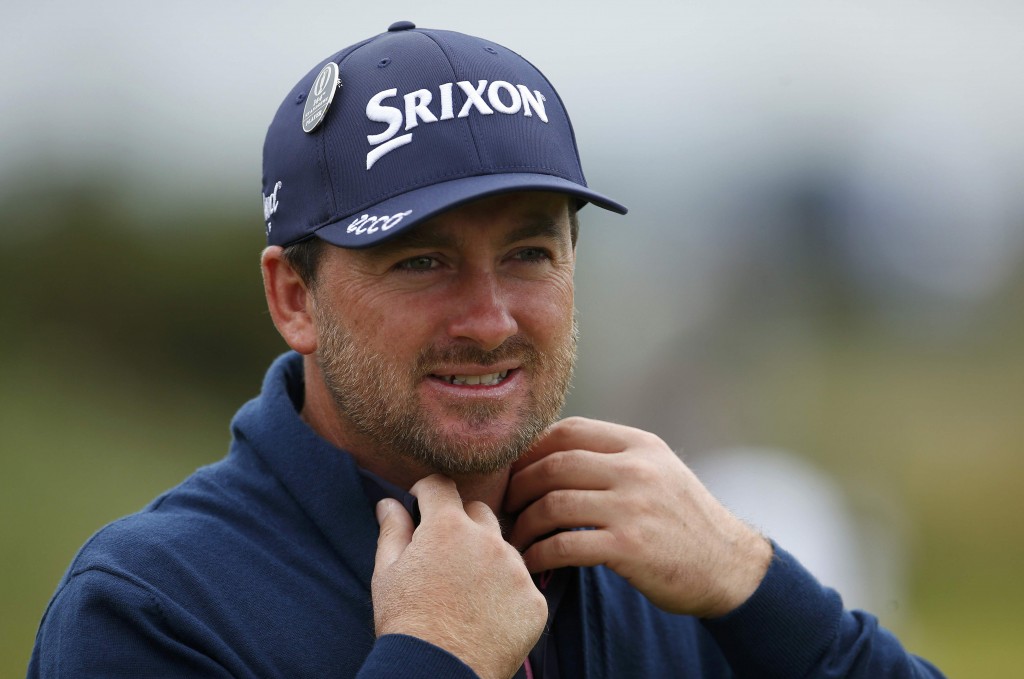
(259, 566)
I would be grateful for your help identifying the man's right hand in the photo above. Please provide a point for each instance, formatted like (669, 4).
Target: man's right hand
(454, 581)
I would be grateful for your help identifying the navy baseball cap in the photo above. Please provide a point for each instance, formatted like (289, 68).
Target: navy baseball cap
(408, 124)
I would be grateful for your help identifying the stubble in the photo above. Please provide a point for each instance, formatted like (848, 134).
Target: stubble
(380, 398)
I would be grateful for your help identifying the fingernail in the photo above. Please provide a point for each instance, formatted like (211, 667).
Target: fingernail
(383, 507)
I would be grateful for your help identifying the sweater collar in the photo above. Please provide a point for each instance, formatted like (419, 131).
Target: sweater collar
(322, 479)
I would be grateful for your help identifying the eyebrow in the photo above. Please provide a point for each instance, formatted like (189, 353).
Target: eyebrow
(534, 225)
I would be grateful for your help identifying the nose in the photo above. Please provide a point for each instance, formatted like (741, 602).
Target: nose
(480, 311)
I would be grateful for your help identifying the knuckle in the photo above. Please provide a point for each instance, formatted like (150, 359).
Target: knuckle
(555, 464)
(651, 439)
(493, 545)
(538, 603)
(630, 538)
(564, 463)
(573, 424)
(491, 553)
(561, 546)
(644, 469)
(555, 505)
(647, 472)
(512, 553)
(477, 507)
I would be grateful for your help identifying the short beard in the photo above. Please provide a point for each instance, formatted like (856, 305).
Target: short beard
(379, 398)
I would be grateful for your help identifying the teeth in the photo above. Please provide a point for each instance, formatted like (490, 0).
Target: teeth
(486, 380)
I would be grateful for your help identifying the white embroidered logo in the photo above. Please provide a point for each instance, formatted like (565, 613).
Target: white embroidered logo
(367, 224)
(501, 96)
(270, 205)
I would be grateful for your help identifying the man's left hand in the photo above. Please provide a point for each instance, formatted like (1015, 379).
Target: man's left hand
(653, 521)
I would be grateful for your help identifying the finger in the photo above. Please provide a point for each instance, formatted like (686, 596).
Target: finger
(571, 548)
(395, 533)
(578, 469)
(482, 514)
(581, 433)
(435, 493)
(562, 510)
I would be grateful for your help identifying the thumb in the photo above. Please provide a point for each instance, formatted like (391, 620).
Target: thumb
(395, 533)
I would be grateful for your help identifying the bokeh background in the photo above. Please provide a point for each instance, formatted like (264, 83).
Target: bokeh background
(816, 296)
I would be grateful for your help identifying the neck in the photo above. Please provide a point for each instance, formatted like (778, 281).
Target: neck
(320, 413)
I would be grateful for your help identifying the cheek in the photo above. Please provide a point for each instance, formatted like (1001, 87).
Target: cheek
(362, 309)
(396, 328)
(546, 312)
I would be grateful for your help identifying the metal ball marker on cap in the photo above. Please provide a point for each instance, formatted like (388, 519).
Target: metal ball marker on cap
(405, 125)
(320, 96)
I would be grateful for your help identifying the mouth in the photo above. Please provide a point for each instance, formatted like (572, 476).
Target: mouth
(488, 380)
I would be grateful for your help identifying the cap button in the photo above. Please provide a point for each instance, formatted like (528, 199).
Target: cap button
(401, 26)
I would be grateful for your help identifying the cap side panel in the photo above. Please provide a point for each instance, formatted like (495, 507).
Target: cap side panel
(294, 179)
(322, 159)
(568, 120)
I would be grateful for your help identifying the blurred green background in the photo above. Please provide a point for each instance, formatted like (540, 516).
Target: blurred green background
(129, 353)
(823, 256)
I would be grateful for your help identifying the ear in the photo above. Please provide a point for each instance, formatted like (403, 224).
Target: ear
(289, 301)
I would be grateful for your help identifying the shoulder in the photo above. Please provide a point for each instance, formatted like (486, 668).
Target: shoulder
(216, 521)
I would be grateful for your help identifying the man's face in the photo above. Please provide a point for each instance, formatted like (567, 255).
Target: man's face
(453, 344)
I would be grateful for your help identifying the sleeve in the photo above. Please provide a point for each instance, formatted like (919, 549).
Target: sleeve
(793, 627)
(400, 655)
(101, 624)
(105, 624)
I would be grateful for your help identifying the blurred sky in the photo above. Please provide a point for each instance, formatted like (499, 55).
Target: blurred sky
(179, 94)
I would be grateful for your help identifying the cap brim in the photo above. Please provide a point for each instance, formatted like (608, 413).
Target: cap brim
(395, 215)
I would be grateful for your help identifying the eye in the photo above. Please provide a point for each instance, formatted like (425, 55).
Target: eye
(418, 263)
(532, 255)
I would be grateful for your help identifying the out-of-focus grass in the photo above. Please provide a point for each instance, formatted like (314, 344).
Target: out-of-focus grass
(938, 429)
(967, 592)
(125, 360)
(82, 445)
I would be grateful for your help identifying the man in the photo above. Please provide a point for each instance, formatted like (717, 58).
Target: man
(420, 196)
